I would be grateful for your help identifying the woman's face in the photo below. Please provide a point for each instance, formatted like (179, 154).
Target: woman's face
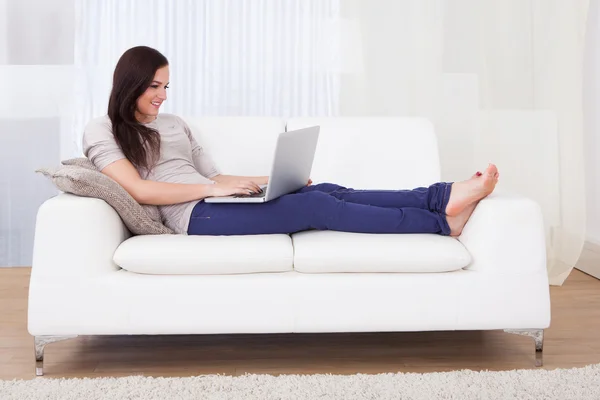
(149, 102)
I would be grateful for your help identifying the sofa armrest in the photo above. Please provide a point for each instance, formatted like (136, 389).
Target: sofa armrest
(76, 236)
(505, 236)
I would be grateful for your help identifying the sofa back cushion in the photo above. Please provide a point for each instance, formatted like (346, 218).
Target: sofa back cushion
(238, 145)
(374, 152)
(369, 152)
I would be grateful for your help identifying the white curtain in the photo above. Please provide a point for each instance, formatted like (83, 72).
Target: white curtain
(502, 81)
(592, 121)
(227, 57)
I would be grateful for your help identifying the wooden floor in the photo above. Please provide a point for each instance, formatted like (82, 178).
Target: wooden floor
(572, 341)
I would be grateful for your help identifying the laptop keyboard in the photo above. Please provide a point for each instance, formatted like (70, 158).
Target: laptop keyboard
(261, 194)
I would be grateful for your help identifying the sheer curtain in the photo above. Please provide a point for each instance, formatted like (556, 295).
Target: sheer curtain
(501, 80)
(227, 57)
(592, 121)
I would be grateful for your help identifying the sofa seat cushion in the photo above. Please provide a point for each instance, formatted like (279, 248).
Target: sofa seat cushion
(329, 251)
(196, 255)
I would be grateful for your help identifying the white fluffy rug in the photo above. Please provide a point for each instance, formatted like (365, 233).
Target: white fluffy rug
(563, 384)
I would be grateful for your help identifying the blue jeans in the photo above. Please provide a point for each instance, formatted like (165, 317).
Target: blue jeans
(328, 206)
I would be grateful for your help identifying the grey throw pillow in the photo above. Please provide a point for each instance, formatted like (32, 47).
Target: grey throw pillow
(83, 179)
(84, 162)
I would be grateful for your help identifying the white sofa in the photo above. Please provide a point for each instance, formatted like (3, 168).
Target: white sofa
(90, 277)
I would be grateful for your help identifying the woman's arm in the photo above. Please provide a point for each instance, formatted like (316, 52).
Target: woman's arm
(163, 193)
(259, 180)
(151, 192)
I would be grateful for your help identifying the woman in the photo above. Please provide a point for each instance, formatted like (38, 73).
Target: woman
(156, 159)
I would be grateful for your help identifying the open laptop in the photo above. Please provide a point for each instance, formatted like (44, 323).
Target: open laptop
(290, 171)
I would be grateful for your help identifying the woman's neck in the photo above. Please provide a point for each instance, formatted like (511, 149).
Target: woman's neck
(144, 119)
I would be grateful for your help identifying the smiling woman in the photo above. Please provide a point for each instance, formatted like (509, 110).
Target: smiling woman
(135, 98)
(154, 157)
(157, 160)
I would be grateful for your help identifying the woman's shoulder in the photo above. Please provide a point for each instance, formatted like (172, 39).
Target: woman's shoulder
(99, 128)
(102, 123)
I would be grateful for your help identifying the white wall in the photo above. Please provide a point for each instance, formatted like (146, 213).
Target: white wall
(36, 69)
(592, 121)
(3, 33)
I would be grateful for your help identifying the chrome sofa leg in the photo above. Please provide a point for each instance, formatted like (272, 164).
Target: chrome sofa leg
(538, 337)
(40, 343)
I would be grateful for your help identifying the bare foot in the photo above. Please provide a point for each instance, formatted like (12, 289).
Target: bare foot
(465, 193)
(458, 222)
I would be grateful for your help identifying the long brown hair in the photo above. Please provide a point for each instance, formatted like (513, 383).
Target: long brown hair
(133, 75)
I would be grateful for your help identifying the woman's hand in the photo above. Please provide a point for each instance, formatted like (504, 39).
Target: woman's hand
(230, 188)
(309, 182)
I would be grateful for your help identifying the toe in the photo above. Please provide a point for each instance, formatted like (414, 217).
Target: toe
(491, 169)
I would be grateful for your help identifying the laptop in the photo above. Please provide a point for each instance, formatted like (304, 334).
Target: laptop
(290, 171)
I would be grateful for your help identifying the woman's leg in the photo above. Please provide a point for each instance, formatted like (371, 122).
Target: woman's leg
(432, 198)
(311, 210)
(446, 198)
